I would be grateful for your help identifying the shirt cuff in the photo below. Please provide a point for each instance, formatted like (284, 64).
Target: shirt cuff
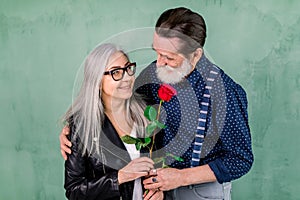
(115, 183)
(220, 171)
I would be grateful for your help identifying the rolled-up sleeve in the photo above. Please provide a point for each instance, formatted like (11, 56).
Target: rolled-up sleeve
(235, 156)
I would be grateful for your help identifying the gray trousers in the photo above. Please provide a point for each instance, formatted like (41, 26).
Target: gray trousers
(205, 191)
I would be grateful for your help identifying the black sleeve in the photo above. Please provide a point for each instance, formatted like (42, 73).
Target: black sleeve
(80, 185)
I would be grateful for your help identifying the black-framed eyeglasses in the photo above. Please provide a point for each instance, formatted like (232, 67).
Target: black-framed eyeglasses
(118, 72)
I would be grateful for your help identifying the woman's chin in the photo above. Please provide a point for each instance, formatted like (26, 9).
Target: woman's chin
(125, 94)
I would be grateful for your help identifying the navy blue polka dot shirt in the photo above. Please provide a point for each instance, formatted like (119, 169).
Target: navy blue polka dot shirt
(227, 142)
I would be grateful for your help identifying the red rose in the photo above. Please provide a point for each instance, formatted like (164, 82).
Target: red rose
(166, 92)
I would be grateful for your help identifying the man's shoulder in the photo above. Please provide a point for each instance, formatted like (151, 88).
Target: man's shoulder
(149, 69)
(147, 75)
(230, 83)
(222, 80)
(226, 85)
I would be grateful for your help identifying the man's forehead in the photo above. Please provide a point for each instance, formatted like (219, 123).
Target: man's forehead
(170, 45)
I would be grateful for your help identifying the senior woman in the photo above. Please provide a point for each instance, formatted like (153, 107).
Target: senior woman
(101, 166)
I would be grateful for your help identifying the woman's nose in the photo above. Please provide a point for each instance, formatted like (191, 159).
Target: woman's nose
(126, 77)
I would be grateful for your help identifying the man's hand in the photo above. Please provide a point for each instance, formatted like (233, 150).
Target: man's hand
(154, 195)
(171, 178)
(65, 144)
(166, 179)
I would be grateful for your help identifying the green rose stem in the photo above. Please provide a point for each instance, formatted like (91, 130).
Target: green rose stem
(153, 137)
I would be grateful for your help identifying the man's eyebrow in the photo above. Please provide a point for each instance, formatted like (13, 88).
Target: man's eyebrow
(153, 47)
(168, 57)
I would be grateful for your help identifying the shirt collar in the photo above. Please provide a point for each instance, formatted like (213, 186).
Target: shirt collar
(195, 76)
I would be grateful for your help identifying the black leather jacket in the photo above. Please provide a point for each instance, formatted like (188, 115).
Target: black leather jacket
(86, 177)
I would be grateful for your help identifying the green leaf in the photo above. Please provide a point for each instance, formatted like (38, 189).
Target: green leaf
(175, 157)
(150, 128)
(146, 141)
(146, 192)
(164, 163)
(178, 158)
(160, 125)
(138, 145)
(130, 140)
(164, 166)
(150, 113)
(158, 160)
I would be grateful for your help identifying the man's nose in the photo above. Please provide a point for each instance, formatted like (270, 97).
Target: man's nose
(161, 61)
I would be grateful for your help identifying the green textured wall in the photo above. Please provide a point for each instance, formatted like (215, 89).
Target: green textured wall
(43, 43)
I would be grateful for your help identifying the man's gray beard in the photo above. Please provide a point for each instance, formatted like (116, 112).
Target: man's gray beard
(172, 75)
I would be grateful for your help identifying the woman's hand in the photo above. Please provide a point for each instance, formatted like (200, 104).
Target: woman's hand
(65, 144)
(135, 169)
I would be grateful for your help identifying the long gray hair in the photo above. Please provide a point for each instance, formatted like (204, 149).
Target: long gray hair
(87, 111)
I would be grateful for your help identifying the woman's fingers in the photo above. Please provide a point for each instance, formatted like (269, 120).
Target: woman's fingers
(144, 159)
(142, 164)
(136, 168)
